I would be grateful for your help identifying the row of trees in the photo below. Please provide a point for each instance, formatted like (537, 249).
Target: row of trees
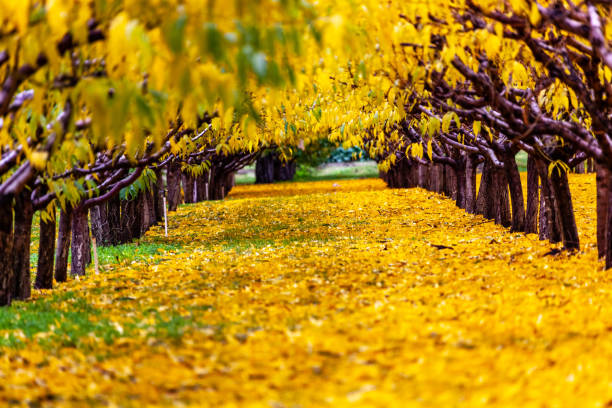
(489, 80)
(108, 107)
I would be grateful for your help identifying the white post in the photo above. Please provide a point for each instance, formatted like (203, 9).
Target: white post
(95, 251)
(165, 218)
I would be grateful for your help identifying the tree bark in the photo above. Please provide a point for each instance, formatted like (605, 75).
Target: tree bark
(100, 227)
(500, 206)
(63, 245)
(565, 209)
(6, 253)
(549, 222)
(531, 216)
(516, 193)
(202, 187)
(216, 188)
(188, 187)
(158, 196)
(46, 250)
(460, 184)
(24, 211)
(80, 248)
(482, 201)
(604, 185)
(284, 171)
(173, 186)
(264, 169)
(113, 211)
(470, 184)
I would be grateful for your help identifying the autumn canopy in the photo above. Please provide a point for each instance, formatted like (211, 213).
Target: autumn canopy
(113, 114)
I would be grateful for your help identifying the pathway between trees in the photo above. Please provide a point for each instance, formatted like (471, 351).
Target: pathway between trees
(323, 294)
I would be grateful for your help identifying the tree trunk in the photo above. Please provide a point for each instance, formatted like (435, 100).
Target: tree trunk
(216, 188)
(549, 226)
(6, 253)
(565, 209)
(500, 206)
(138, 210)
(604, 185)
(113, 211)
(516, 193)
(100, 227)
(173, 185)
(264, 169)
(188, 187)
(202, 187)
(482, 201)
(450, 183)
(80, 248)
(230, 182)
(470, 183)
(284, 171)
(22, 233)
(531, 219)
(63, 245)
(46, 250)
(459, 178)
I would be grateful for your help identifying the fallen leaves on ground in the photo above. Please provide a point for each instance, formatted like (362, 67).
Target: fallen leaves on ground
(319, 295)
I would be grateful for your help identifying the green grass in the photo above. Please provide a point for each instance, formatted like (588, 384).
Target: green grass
(521, 161)
(63, 326)
(334, 171)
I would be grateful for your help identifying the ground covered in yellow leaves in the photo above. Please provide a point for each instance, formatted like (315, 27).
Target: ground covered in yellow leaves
(324, 294)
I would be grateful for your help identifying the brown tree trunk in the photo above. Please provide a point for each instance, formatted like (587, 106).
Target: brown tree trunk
(46, 250)
(424, 175)
(604, 185)
(450, 182)
(113, 213)
(531, 216)
(459, 178)
(202, 186)
(6, 253)
(188, 187)
(565, 209)
(100, 227)
(63, 245)
(264, 169)
(482, 201)
(438, 178)
(470, 183)
(500, 206)
(283, 171)
(549, 221)
(22, 233)
(216, 188)
(138, 209)
(173, 185)
(80, 248)
(516, 193)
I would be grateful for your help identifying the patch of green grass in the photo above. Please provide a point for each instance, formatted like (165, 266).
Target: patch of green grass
(521, 161)
(60, 320)
(134, 251)
(338, 172)
(334, 171)
(245, 178)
